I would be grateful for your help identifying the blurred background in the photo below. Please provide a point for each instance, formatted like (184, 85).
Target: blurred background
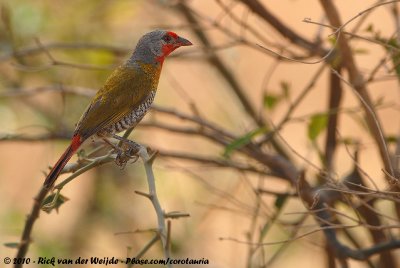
(219, 105)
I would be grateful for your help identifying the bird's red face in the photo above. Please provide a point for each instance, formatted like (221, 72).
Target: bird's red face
(154, 46)
(169, 42)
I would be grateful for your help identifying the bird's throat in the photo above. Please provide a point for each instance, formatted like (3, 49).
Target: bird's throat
(166, 50)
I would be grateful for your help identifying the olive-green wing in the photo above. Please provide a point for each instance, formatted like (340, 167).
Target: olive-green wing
(125, 89)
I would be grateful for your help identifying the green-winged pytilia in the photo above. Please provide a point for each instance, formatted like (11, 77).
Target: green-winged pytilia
(126, 96)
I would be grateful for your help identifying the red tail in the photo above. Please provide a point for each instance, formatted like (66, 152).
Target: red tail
(58, 167)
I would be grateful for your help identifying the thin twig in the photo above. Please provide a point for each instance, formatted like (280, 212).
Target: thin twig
(144, 249)
(357, 81)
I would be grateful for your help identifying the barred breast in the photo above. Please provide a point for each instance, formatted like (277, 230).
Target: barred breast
(133, 118)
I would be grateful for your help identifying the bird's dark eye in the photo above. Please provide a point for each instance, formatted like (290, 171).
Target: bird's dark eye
(167, 38)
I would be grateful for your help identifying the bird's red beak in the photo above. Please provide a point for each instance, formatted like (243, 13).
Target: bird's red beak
(180, 41)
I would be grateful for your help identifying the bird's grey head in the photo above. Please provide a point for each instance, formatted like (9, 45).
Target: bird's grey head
(154, 46)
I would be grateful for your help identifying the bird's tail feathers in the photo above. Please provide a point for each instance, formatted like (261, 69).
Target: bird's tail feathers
(58, 167)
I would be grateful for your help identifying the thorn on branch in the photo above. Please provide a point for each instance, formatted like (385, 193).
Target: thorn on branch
(153, 155)
(149, 196)
(176, 214)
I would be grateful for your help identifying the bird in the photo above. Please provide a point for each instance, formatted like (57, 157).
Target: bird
(126, 96)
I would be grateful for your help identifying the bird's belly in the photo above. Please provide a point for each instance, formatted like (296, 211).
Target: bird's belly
(132, 119)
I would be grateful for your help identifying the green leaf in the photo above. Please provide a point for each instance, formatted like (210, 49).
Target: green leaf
(317, 124)
(285, 86)
(391, 139)
(332, 40)
(394, 53)
(347, 141)
(264, 230)
(370, 28)
(49, 203)
(11, 244)
(242, 141)
(280, 200)
(270, 101)
(361, 51)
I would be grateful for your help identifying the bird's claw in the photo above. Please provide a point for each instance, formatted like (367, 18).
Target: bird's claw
(125, 153)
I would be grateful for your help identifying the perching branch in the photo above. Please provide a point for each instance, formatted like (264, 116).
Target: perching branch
(152, 195)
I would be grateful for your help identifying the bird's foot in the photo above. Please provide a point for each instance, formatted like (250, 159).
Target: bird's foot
(127, 151)
(123, 156)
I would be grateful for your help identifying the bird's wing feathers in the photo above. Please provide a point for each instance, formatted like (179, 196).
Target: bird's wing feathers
(125, 89)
